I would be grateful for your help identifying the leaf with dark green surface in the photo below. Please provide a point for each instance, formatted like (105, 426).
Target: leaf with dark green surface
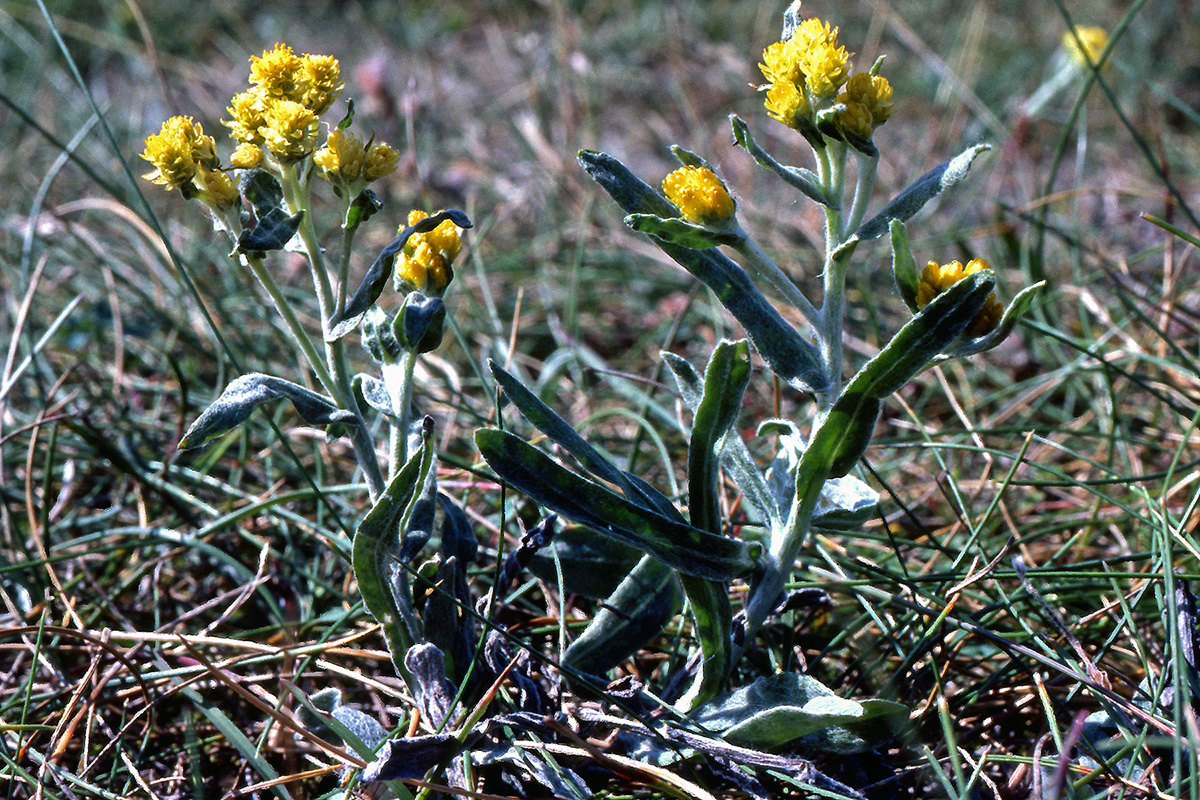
(687, 549)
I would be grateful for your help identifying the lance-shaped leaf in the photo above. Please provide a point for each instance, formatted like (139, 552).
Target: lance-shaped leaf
(272, 232)
(725, 380)
(804, 180)
(377, 546)
(542, 417)
(372, 393)
(636, 612)
(921, 191)
(928, 333)
(904, 266)
(788, 708)
(735, 457)
(787, 353)
(687, 549)
(592, 566)
(674, 230)
(380, 273)
(1012, 313)
(247, 392)
(361, 209)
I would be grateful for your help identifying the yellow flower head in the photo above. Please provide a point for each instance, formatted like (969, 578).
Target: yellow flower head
(699, 195)
(382, 159)
(246, 156)
(291, 130)
(322, 79)
(781, 63)
(177, 151)
(1093, 38)
(856, 120)
(936, 279)
(425, 261)
(787, 103)
(279, 74)
(805, 71)
(872, 92)
(249, 112)
(826, 67)
(342, 158)
(216, 189)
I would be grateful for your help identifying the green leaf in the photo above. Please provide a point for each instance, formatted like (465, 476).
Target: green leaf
(904, 266)
(804, 180)
(791, 357)
(379, 543)
(379, 337)
(921, 191)
(248, 392)
(372, 393)
(361, 209)
(674, 230)
(542, 417)
(687, 549)
(845, 503)
(725, 380)
(272, 232)
(844, 435)
(798, 710)
(735, 457)
(380, 273)
(928, 333)
(592, 566)
(632, 615)
(1012, 313)
(420, 323)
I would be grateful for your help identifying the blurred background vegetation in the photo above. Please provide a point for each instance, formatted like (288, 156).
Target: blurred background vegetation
(107, 528)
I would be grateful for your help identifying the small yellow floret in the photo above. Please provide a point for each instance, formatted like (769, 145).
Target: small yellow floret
(873, 92)
(937, 278)
(248, 110)
(425, 261)
(278, 73)
(291, 130)
(699, 195)
(787, 103)
(382, 159)
(216, 189)
(1093, 38)
(322, 81)
(826, 68)
(246, 156)
(342, 158)
(177, 151)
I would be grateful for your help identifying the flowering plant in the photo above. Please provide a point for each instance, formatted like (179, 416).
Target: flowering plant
(812, 89)
(263, 202)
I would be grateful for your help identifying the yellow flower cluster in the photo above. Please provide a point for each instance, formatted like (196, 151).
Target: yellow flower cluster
(288, 94)
(425, 260)
(937, 278)
(699, 195)
(805, 73)
(1093, 38)
(868, 102)
(185, 158)
(346, 160)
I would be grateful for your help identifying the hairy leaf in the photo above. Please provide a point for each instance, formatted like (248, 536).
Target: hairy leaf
(791, 357)
(687, 549)
(248, 392)
(921, 191)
